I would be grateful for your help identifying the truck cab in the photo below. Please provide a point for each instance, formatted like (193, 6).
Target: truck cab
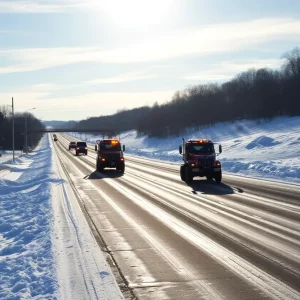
(110, 155)
(200, 159)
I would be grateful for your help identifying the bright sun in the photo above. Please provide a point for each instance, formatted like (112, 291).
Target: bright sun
(136, 13)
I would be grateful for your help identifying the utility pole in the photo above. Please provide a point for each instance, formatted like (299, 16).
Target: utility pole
(13, 128)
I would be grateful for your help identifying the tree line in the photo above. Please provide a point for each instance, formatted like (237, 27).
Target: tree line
(19, 122)
(123, 120)
(253, 94)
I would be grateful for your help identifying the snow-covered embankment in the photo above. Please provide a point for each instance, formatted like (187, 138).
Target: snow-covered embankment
(47, 250)
(250, 148)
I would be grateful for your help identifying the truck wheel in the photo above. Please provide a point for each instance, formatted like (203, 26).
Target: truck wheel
(99, 167)
(77, 153)
(188, 175)
(218, 177)
(182, 173)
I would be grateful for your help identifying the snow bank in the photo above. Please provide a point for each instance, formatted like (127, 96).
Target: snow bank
(8, 155)
(261, 142)
(26, 262)
(47, 249)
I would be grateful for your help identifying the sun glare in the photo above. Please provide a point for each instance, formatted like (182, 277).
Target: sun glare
(136, 13)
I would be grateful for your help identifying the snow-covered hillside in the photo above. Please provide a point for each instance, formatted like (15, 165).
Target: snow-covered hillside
(252, 148)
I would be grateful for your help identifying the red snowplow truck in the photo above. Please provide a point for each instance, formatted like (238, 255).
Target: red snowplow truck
(199, 159)
(110, 155)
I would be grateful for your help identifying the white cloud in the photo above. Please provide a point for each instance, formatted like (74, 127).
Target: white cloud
(211, 75)
(227, 70)
(39, 6)
(45, 87)
(218, 38)
(79, 107)
(242, 65)
(126, 77)
(114, 8)
(41, 58)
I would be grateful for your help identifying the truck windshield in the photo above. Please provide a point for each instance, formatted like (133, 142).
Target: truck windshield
(110, 147)
(81, 144)
(201, 148)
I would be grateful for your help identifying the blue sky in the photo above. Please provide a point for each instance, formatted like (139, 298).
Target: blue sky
(72, 59)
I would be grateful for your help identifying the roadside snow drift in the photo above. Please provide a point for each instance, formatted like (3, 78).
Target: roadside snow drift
(47, 250)
(8, 155)
(26, 260)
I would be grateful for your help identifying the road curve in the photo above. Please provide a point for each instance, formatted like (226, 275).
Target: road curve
(237, 240)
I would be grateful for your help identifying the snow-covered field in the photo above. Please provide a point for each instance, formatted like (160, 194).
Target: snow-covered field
(42, 230)
(8, 155)
(250, 148)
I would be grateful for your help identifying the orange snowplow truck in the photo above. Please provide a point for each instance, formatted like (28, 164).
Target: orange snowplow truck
(199, 159)
(110, 155)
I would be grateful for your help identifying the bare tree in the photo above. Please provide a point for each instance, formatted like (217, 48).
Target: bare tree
(291, 66)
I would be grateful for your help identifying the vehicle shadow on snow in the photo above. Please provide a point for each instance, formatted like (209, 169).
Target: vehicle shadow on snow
(210, 187)
(107, 173)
